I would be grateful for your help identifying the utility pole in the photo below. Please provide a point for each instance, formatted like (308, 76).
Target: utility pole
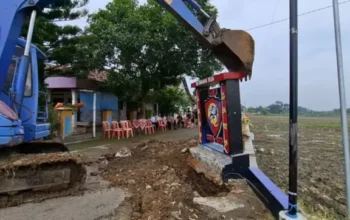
(293, 110)
(341, 85)
(292, 212)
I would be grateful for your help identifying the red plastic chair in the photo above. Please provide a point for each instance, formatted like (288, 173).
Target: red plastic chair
(106, 129)
(134, 124)
(188, 123)
(149, 129)
(161, 125)
(117, 130)
(130, 125)
(128, 131)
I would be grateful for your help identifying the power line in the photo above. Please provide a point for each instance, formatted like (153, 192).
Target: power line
(274, 11)
(286, 19)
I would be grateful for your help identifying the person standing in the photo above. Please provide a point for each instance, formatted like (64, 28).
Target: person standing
(180, 120)
(154, 120)
(188, 119)
(195, 116)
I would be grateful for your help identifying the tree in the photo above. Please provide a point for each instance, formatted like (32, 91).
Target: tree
(146, 48)
(285, 108)
(59, 42)
(264, 111)
(170, 100)
(276, 108)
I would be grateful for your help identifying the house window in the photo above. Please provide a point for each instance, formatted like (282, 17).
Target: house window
(13, 70)
(10, 74)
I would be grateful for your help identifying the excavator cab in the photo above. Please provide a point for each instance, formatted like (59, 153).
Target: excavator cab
(27, 111)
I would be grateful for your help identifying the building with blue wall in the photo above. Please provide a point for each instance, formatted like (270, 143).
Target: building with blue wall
(70, 90)
(104, 102)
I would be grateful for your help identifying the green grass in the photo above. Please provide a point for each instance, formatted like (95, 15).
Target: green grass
(318, 213)
(314, 213)
(301, 116)
(309, 125)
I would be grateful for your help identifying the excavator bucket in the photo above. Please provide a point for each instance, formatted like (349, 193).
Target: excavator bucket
(235, 49)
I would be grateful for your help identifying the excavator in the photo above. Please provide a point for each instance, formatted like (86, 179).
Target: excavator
(34, 169)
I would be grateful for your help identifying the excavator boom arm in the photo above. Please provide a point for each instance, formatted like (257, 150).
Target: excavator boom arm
(180, 10)
(234, 48)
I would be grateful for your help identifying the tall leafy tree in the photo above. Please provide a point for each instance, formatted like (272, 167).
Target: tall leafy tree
(170, 100)
(59, 41)
(146, 48)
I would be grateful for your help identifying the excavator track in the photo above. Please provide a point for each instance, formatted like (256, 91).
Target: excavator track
(34, 177)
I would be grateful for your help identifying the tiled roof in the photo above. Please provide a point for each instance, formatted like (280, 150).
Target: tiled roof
(101, 76)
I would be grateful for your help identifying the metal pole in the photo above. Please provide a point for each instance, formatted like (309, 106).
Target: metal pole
(344, 121)
(94, 116)
(30, 33)
(74, 116)
(293, 109)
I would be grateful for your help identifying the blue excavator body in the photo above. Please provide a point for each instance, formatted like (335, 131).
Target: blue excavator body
(19, 83)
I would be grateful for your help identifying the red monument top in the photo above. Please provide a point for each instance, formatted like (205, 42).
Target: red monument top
(213, 80)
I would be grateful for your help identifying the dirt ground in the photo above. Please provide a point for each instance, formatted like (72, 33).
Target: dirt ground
(164, 187)
(321, 164)
(153, 171)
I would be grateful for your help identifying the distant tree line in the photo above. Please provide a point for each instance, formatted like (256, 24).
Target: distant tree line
(280, 108)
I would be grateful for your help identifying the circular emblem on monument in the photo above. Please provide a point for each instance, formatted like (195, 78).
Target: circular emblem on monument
(213, 114)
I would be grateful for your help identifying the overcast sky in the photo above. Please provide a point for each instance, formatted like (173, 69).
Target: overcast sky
(318, 86)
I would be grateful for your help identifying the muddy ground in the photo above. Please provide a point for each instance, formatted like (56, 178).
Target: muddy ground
(321, 164)
(164, 187)
(145, 178)
(158, 183)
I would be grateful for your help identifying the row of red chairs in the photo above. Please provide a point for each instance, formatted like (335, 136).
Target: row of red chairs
(147, 125)
(126, 129)
(111, 130)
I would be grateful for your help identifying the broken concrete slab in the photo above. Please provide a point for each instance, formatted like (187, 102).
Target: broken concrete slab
(213, 160)
(90, 206)
(220, 204)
